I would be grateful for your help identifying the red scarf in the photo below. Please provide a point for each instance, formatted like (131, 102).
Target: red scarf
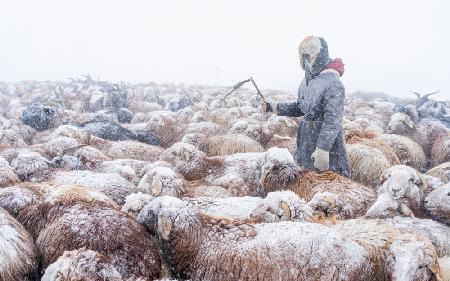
(337, 65)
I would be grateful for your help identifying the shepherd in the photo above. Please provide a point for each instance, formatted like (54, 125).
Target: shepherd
(320, 136)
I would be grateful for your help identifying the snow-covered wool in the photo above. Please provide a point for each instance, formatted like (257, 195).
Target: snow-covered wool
(67, 224)
(236, 251)
(387, 151)
(11, 138)
(135, 202)
(437, 203)
(113, 185)
(444, 267)
(18, 258)
(367, 164)
(31, 165)
(408, 152)
(15, 198)
(344, 198)
(162, 181)
(25, 132)
(401, 193)
(133, 150)
(82, 264)
(282, 125)
(438, 233)
(394, 255)
(77, 193)
(229, 144)
(441, 171)
(7, 175)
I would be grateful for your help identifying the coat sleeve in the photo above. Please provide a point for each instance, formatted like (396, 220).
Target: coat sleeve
(333, 102)
(289, 109)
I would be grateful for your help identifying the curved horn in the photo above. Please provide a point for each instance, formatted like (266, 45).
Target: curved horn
(286, 209)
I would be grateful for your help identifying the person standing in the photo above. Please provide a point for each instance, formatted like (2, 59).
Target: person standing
(320, 137)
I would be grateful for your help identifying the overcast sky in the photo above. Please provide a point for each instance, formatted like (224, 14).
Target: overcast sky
(389, 46)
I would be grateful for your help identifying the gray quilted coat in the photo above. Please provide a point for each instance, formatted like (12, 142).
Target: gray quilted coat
(321, 102)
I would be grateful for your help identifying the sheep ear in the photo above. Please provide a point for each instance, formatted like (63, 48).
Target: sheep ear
(164, 226)
(286, 209)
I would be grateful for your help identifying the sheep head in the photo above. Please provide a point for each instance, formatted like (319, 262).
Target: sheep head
(413, 257)
(437, 203)
(282, 206)
(405, 185)
(162, 181)
(135, 202)
(279, 170)
(400, 124)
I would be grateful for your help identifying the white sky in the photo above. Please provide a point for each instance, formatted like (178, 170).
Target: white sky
(390, 46)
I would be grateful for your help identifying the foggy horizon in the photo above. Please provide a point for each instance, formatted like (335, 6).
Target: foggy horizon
(386, 47)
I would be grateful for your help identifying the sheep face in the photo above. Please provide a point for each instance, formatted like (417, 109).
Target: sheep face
(281, 206)
(413, 258)
(187, 159)
(400, 124)
(438, 203)
(404, 184)
(149, 215)
(135, 202)
(279, 171)
(384, 207)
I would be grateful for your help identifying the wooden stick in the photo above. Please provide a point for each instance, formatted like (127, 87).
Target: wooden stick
(238, 85)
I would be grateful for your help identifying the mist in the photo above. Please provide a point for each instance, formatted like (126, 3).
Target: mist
(387, 46)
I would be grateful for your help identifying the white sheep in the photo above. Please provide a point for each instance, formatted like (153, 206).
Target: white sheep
(441, 171)
(437, 203)
(18, 258)
(135, 202)
(82, 264)
(31, 165)
(7, 175)
(162, 181)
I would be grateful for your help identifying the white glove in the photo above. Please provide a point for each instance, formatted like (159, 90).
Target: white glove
(321, 159)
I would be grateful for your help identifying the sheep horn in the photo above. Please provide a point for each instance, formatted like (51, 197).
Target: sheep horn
(286, 209)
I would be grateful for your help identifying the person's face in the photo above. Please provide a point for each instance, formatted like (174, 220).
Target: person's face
(305, 61)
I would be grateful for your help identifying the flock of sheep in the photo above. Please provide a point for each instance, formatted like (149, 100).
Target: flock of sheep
(102, 181)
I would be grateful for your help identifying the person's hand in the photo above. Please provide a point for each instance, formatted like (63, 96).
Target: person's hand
(321, 159)
(268, 107)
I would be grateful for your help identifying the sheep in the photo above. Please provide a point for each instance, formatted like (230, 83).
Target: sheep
(162, 181)
(438, 233)
(31, 166)
(282, 142)
(387, 151)
(74, 192)
(440, 151)
(441, 171)
(82, 264)
(437, 203)
(133, 150)
(408, 152)
(15, 198)
(229, 144)
(367, 164)
(331, 194)
(394, 255)
(239, 174)
(282, 125)
(401, 193)
(40, 117)
(127, 168)
(25, 132)
(11, 138)
(69, 223)
(243, 251)
(18, 257)
(135, 202)
(7, 175)
(113, 185)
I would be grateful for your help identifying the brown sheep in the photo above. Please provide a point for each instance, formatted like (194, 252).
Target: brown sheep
(67, 224)
(133, 150)
(437, 203)
(18, 258)
(15, 198)
(332, 194)
(236, 251)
